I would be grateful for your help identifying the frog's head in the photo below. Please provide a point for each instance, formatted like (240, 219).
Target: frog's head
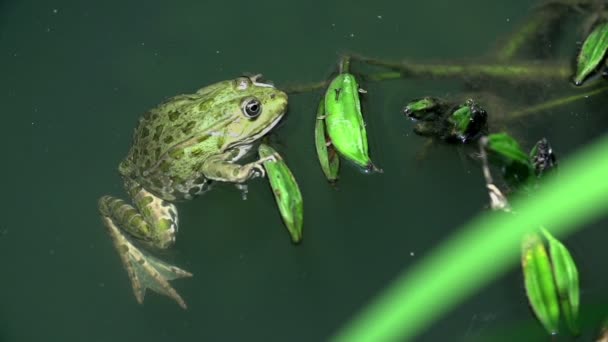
(254, 109)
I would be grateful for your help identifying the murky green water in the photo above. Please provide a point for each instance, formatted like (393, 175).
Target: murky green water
(76, 75)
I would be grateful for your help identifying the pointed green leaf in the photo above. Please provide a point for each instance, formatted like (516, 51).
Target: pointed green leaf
(286, 192)
(344, 121)
(515, 163)
(565, 274)
(539, 283)
(328, 157)
(507, 147)
(592, 53)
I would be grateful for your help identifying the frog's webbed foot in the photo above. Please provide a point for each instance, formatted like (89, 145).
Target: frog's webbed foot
(145, 271)
(258, 166)
(153, 222)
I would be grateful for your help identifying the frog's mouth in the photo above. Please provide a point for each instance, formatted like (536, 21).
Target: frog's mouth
(261, 133)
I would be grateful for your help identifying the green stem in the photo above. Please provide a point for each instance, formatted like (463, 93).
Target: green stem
(345, 64)
(524, 72)
(308, 87)
(555, 103)
(513, 72)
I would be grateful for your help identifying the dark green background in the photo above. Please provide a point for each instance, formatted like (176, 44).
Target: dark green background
(76, 75)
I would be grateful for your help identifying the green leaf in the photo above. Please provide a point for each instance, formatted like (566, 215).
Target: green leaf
(326, 153)
(516, 164)
(344, 121)
(538, 279)
(286, 192)
(566, 280)
(592, 53)
(504, 145)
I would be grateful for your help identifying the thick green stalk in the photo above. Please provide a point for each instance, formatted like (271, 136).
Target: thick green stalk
(459, 266)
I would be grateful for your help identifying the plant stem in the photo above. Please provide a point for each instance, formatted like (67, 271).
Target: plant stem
(513, 72)
(344, 64)
(527, 72)
(555, 103)
(306, 87)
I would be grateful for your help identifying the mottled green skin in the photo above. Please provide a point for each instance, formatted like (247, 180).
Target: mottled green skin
(178, 147)
(174, 141)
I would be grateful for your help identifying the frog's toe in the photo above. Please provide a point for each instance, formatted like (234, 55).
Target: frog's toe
(257, 170)
(146, 271)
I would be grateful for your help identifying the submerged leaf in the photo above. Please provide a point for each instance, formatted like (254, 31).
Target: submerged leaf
(466, 122)
(419, 109)
(539, 283)
(592, 53)
(329, 159)
(516, 164)
(286, 192)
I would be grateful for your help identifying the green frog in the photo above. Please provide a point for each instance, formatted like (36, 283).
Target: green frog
(179, 148)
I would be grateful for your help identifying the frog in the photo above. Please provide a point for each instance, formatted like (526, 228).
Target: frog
(179, 149)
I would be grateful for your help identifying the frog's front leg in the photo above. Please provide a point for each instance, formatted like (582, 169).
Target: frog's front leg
(153, 222)
(220, 168)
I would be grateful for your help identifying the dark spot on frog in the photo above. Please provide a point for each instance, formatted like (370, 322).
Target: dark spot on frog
(174, 115)
(165, 166)
(187, 129)
(168, 139)
(157, 182)
(158, 132)
(135, 151)
(145, 132)
(193, 191)
(195, 152)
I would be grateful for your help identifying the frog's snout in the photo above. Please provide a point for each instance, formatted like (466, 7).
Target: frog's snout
(281, 97)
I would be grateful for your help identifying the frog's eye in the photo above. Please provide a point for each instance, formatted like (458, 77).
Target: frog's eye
(252, 108)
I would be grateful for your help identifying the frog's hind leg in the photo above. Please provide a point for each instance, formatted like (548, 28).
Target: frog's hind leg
(153, 222)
